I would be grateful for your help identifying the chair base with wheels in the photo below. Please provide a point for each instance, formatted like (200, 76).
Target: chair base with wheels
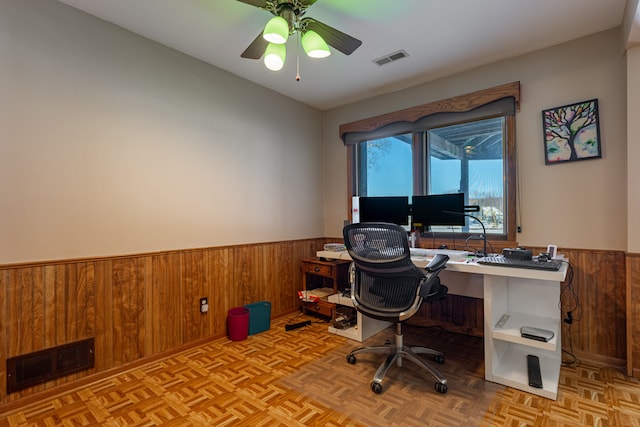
(387, 286)
(396, 352)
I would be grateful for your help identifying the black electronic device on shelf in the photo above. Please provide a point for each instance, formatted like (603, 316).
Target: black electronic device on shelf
(533, 371)
(536, 333)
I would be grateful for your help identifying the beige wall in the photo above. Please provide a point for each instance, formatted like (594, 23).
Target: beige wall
(631, 39)
(577, 205)
(633, 149)
(112, 144)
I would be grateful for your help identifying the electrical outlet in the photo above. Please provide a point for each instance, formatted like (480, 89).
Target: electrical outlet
(204, 305)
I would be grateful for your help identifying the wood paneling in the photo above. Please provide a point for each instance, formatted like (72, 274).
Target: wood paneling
(128, 290)
(143, 305)
(163, 298)
(222, 286)
(599, 319)
(633, 315)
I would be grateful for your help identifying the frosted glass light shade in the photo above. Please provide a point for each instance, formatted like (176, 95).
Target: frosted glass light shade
(276, 31)
(314, 45)
(274, 56)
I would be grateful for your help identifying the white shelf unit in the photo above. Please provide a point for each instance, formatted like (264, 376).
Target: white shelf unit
(529, 297)
(526, 302)
(364, 328)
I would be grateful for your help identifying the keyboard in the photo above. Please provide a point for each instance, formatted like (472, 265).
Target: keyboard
(553, 265)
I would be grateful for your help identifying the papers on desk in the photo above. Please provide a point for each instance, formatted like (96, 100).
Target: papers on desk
(458, 256)
(335, 247)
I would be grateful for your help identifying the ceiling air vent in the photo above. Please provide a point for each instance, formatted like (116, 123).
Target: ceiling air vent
(391, 57)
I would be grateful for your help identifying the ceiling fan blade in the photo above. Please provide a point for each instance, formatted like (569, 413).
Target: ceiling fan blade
(256, 49)
(303, 6)
(334, 38)
(262, 4)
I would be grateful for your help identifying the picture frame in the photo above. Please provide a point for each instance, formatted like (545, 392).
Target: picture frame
(571, 132)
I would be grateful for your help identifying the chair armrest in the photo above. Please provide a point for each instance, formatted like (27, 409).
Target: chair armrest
(431, 286)
(438, 262)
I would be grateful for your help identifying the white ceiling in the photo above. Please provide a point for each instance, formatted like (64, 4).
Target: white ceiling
(442, 37)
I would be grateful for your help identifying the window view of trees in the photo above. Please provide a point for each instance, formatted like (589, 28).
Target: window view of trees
(387, 167)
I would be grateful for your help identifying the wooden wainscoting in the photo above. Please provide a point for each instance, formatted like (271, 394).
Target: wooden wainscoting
(633, 315)
(598, 329)
(141, 305)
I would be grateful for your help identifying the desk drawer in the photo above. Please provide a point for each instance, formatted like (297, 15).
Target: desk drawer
(323, 308)
(318, 269)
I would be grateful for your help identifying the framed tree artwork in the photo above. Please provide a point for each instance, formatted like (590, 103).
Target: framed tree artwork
(571, 132)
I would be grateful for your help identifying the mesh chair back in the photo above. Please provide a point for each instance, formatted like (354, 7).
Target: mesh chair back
(386, 284)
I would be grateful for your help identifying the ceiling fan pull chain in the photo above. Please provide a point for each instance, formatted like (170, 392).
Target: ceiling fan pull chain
(298, 57)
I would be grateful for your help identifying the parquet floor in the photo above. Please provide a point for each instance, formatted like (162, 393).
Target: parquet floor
(301, 378)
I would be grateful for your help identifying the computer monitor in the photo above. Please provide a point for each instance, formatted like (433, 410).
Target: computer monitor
(392, 209)
(436, 209)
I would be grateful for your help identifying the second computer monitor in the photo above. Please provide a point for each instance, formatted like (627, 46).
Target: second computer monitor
(438, 209)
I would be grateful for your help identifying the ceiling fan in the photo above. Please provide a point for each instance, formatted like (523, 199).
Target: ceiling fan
(314, 35)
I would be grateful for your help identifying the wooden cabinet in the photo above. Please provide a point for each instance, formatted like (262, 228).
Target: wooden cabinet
(326, 277)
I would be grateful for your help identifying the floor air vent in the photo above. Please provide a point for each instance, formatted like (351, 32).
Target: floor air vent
(46, 365)
(391, 57)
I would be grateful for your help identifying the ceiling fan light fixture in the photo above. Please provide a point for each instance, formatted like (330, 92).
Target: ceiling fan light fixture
(314, 45)
(276, 31)
(274, 56)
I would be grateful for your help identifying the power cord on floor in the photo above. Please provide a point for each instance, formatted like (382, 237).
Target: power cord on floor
(290, 325)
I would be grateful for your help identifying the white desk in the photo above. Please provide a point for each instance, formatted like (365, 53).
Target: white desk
(364, 328)
(528, 298)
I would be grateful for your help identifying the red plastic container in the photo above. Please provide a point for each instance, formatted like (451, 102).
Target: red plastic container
(238, 323)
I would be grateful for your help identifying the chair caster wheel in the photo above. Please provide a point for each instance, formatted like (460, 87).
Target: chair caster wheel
(376, 388)
(441, 388)
(351, 358)
(439, 359)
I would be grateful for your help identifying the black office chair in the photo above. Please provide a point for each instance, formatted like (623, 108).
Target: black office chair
(386, 285)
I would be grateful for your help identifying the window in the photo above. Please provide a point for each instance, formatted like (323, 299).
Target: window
(384, 167)
(460, 145)
(469, 158)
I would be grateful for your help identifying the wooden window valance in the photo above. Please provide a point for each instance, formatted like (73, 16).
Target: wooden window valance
(402, 121)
